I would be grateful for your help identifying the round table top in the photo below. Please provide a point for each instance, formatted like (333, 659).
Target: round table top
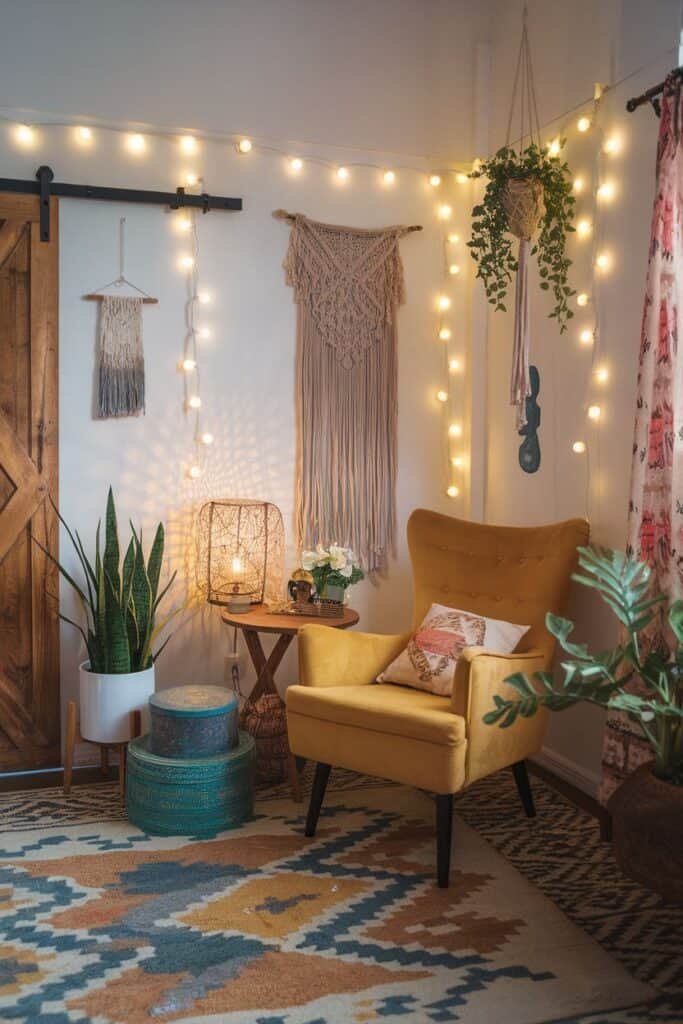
(259, 619)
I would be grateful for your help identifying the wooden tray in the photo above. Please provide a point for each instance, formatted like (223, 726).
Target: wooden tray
(320, 609)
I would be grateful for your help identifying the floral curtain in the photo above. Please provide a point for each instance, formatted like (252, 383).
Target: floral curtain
(655, 533)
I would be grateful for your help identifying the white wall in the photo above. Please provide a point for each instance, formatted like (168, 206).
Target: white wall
(355, 74)
(575, 45)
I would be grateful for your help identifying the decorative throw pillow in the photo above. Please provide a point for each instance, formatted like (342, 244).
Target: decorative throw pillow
(429, 660)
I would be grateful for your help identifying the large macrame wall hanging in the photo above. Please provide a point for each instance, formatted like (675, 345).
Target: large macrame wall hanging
(348, 284)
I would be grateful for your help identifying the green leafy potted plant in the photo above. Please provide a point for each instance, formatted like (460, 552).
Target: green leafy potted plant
(525, 192)
(646, 684)
(120, 604)
(333, 570)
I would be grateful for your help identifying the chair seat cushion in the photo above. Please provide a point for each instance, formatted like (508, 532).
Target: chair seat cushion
(382, 708)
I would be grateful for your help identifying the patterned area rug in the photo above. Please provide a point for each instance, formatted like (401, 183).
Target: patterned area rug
(103, 924)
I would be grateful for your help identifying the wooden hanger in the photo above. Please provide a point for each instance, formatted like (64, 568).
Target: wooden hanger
(121, 280)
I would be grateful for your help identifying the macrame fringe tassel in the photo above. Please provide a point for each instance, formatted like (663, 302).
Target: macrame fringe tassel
(520, 384)
(121, 359)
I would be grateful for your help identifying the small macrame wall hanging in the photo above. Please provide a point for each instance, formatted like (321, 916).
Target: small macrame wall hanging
(529, 196)
(120, 357)
(348, 285)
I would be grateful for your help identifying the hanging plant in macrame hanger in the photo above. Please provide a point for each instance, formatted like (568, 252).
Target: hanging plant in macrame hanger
(528, 195)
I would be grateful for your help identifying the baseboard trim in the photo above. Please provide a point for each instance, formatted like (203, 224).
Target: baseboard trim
(561, 766)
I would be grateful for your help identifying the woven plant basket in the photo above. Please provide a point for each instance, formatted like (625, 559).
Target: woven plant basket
(524, 205)
(266, 720)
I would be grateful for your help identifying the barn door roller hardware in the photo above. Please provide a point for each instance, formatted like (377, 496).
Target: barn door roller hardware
(45, 186)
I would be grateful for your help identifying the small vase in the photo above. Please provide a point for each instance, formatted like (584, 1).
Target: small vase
(333, 593)
(107, 699)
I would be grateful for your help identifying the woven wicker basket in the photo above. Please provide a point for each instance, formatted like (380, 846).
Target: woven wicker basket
(524, 205)
(266, 720)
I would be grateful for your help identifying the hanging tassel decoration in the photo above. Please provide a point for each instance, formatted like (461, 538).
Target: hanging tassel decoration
(121, 359)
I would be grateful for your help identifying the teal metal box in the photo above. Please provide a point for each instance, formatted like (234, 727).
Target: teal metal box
(191, 796)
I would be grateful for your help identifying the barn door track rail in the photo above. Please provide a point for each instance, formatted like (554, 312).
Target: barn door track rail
(45, 186)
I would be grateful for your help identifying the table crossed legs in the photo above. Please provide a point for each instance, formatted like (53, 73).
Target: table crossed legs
(266, 667)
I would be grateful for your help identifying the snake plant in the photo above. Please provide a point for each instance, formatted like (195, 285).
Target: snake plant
(119, 601)
(643, 680)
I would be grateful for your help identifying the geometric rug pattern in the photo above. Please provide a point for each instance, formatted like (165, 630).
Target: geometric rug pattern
(103, 924)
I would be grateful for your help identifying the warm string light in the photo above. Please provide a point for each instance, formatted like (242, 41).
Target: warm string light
(190, 362)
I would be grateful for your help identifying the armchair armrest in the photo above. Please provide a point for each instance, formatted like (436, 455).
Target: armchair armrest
(333, 657)
(480, 675)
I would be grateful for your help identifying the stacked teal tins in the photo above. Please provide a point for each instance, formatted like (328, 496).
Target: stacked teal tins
(193, 773)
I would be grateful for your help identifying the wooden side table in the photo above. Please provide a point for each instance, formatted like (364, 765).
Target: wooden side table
(259, 620)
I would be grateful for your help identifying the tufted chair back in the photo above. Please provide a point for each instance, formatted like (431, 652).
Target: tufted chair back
(503, 572)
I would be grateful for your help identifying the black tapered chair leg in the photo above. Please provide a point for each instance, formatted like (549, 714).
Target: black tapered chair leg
(322, 774)
(519, 770)
(444, 831)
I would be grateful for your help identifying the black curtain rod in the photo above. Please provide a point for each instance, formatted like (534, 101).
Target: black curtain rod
(44, 186)
(650, 95)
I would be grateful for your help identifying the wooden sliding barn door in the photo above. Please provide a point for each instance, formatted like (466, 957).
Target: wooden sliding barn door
(29, 625)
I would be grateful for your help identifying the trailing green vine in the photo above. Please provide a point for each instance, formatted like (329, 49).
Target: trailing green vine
(491, 243)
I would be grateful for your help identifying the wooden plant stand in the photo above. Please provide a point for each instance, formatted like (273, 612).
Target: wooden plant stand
(73, 736)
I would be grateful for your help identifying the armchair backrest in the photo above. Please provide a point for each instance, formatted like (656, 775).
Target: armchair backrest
(503, 572)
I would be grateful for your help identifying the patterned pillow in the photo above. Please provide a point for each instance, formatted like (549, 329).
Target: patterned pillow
(429, 660)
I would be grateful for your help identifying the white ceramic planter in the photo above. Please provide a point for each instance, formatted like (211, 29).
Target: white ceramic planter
(106, 701)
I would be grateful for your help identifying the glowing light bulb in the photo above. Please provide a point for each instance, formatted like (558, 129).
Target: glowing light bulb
(603, 261)
(606, 190)
(445, 333)
(84, 134)
(583, 124)
(192, 179)
(453, 239)
(389, 177)
(194, 402)
(343, 173)
(577, 185)
(194, 472)
(594, 412)
(554, 148)
(579, 447)
(444, 302)
(461, 178)
(245, 146)
(457, 461)
(452, 491)
(237, 565)
(612, 145)
(583, 227)
(586, 336)
(454, 365)
(454, 269)
(434, 180)
(445, 211)
(296, 163)
(602, 374)
(136, 143)
(455, 430)
(442, 396)
(582, 299)
(188, 144)
(207, 438)
(189, 365)
(204, 332)
(184, 223)
(24, 134)
(186, 262)
(204, 298)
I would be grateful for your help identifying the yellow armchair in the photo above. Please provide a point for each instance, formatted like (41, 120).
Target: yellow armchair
(339, 715)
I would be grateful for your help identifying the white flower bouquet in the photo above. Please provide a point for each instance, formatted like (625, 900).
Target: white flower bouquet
(331, 568)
